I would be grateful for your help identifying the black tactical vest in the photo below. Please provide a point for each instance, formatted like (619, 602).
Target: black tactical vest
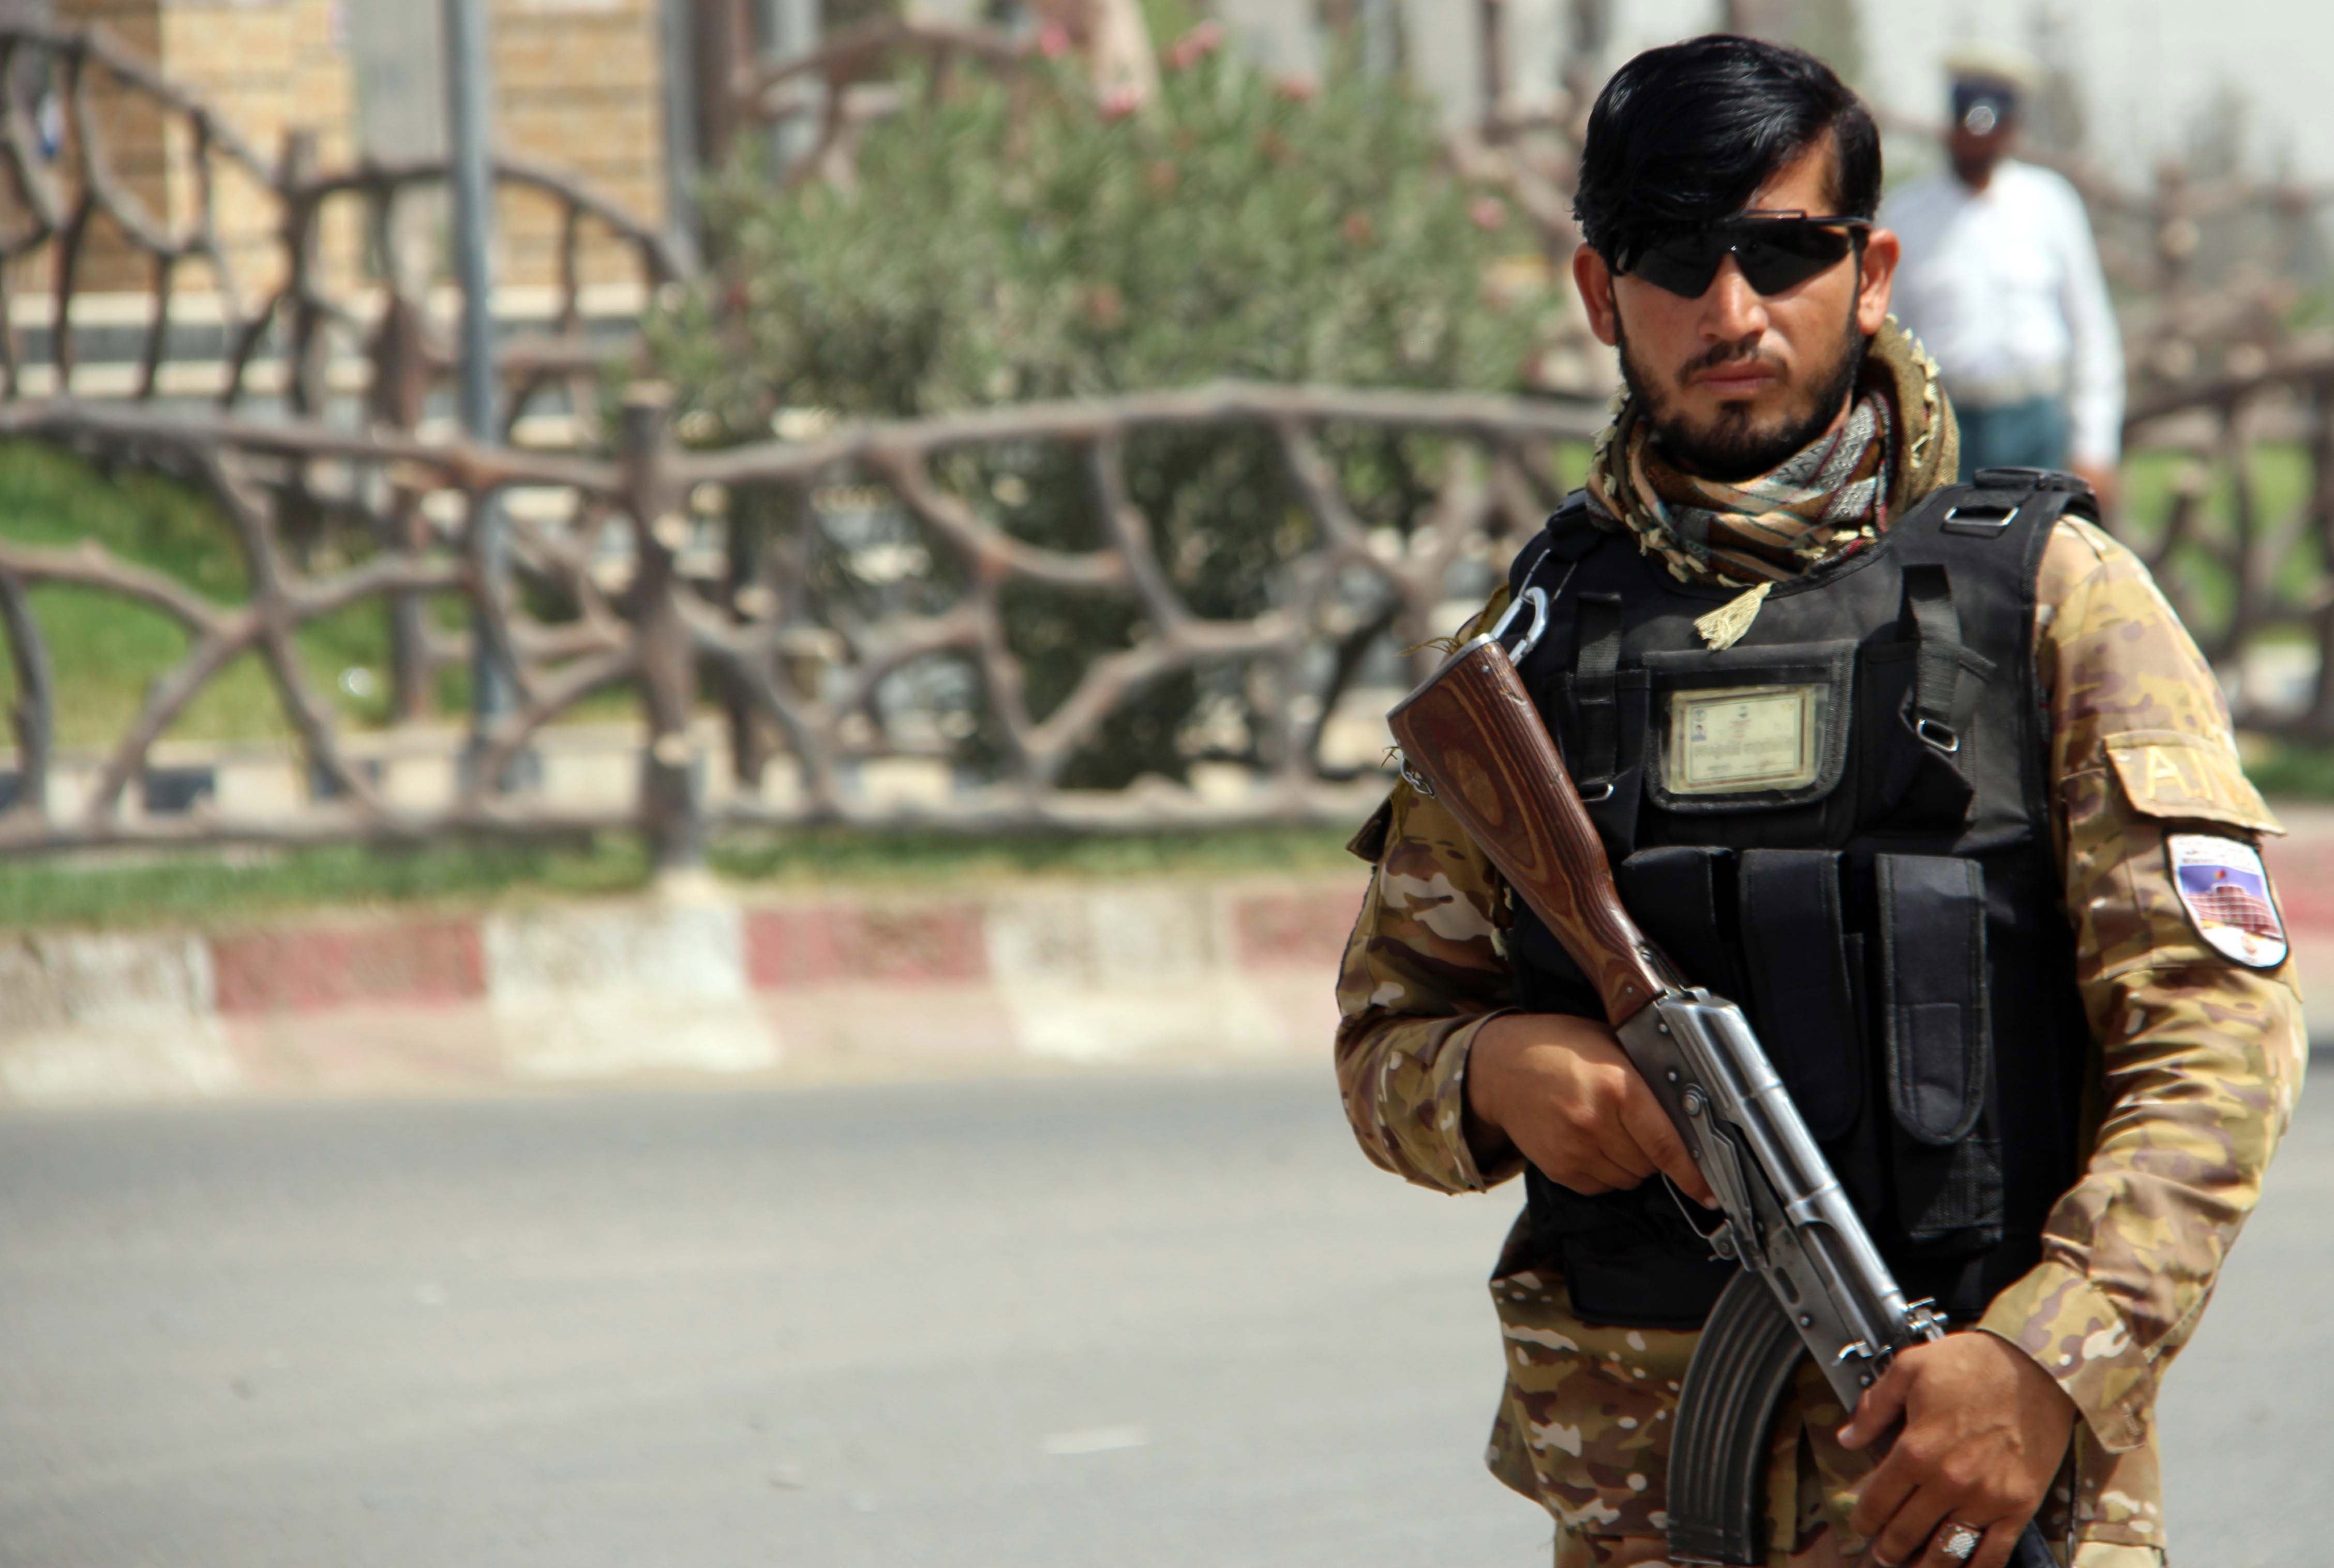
(1842, 823)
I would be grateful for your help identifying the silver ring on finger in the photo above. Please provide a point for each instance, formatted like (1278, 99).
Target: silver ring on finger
(1961, 1541)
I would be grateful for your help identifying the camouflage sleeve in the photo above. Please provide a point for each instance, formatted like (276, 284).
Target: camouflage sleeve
(1424, 970)
(2198, 1058)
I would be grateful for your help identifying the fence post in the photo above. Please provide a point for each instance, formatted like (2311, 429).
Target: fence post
(33, 717)
(721, 51)
(672, 807)
(305, 390)
(748, 543)
(1381, 39)
(301, 517)
(399, 397)
(1491, 61)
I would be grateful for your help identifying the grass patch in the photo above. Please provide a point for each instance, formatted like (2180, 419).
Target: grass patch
(810, 857)
(106, 651)
(113, 889)
(121, 888)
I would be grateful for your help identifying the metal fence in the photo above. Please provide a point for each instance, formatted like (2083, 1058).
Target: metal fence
(637, 580)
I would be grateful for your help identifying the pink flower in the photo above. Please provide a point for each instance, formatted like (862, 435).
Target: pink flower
(1105, 307)
(1195, 45)
(1052, 40)
(1488, 213)
(1121, 101)
(1297, 89)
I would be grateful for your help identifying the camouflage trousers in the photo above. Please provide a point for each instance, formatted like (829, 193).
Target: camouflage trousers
(1584, 1430)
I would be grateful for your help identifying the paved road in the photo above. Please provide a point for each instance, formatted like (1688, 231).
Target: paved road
(1081, 1321)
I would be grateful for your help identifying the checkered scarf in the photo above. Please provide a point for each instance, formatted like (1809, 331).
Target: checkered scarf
(1821, 503)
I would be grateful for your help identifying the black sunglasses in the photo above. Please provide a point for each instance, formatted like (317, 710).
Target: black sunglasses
(1776, 250)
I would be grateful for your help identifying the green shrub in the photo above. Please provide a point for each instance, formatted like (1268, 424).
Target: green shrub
(1002, 245)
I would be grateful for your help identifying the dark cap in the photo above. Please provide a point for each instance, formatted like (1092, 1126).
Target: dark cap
(1988, 85)
(1982, 108)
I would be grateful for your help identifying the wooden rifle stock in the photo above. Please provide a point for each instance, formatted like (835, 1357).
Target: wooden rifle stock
(1473, 731)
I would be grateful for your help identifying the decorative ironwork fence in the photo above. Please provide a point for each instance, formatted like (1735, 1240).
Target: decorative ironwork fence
(271, 318)
(647, 582)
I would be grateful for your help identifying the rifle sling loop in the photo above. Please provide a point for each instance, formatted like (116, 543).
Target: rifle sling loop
(1595, 672)
(1937, 630)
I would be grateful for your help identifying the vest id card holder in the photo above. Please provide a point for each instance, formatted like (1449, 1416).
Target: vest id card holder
(1746, 737)
(1749, 729)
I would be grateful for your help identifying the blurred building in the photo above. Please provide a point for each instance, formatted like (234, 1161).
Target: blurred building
(1440, 43)
(578, 88)
(272, 67)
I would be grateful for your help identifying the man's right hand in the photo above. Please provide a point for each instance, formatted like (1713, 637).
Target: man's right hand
(1561, 1092)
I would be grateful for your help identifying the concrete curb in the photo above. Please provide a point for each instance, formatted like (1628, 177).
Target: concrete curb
(690, 982)
(696, 983)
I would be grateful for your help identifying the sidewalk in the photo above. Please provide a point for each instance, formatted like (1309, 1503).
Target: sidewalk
(697, 982)
(704, 983)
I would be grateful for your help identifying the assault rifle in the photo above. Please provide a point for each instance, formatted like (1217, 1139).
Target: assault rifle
(1811, 1281)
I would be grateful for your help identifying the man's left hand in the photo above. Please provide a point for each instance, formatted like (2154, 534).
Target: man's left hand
(1985, 1429)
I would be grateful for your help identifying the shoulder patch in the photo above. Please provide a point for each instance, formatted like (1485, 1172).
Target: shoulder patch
(2176, 777)
(2225, 889)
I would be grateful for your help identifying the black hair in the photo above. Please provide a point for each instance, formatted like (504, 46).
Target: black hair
(1683, 137)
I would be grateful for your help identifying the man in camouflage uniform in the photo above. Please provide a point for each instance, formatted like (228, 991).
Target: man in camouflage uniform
(2194, 1055)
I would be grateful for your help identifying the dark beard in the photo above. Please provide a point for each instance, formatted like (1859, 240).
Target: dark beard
(1735, 448)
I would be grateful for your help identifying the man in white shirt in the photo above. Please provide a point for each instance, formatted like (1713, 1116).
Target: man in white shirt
(2001, 282)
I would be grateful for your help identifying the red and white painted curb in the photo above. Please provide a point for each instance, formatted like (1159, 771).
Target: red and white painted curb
(687, 985)
(703, 983)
